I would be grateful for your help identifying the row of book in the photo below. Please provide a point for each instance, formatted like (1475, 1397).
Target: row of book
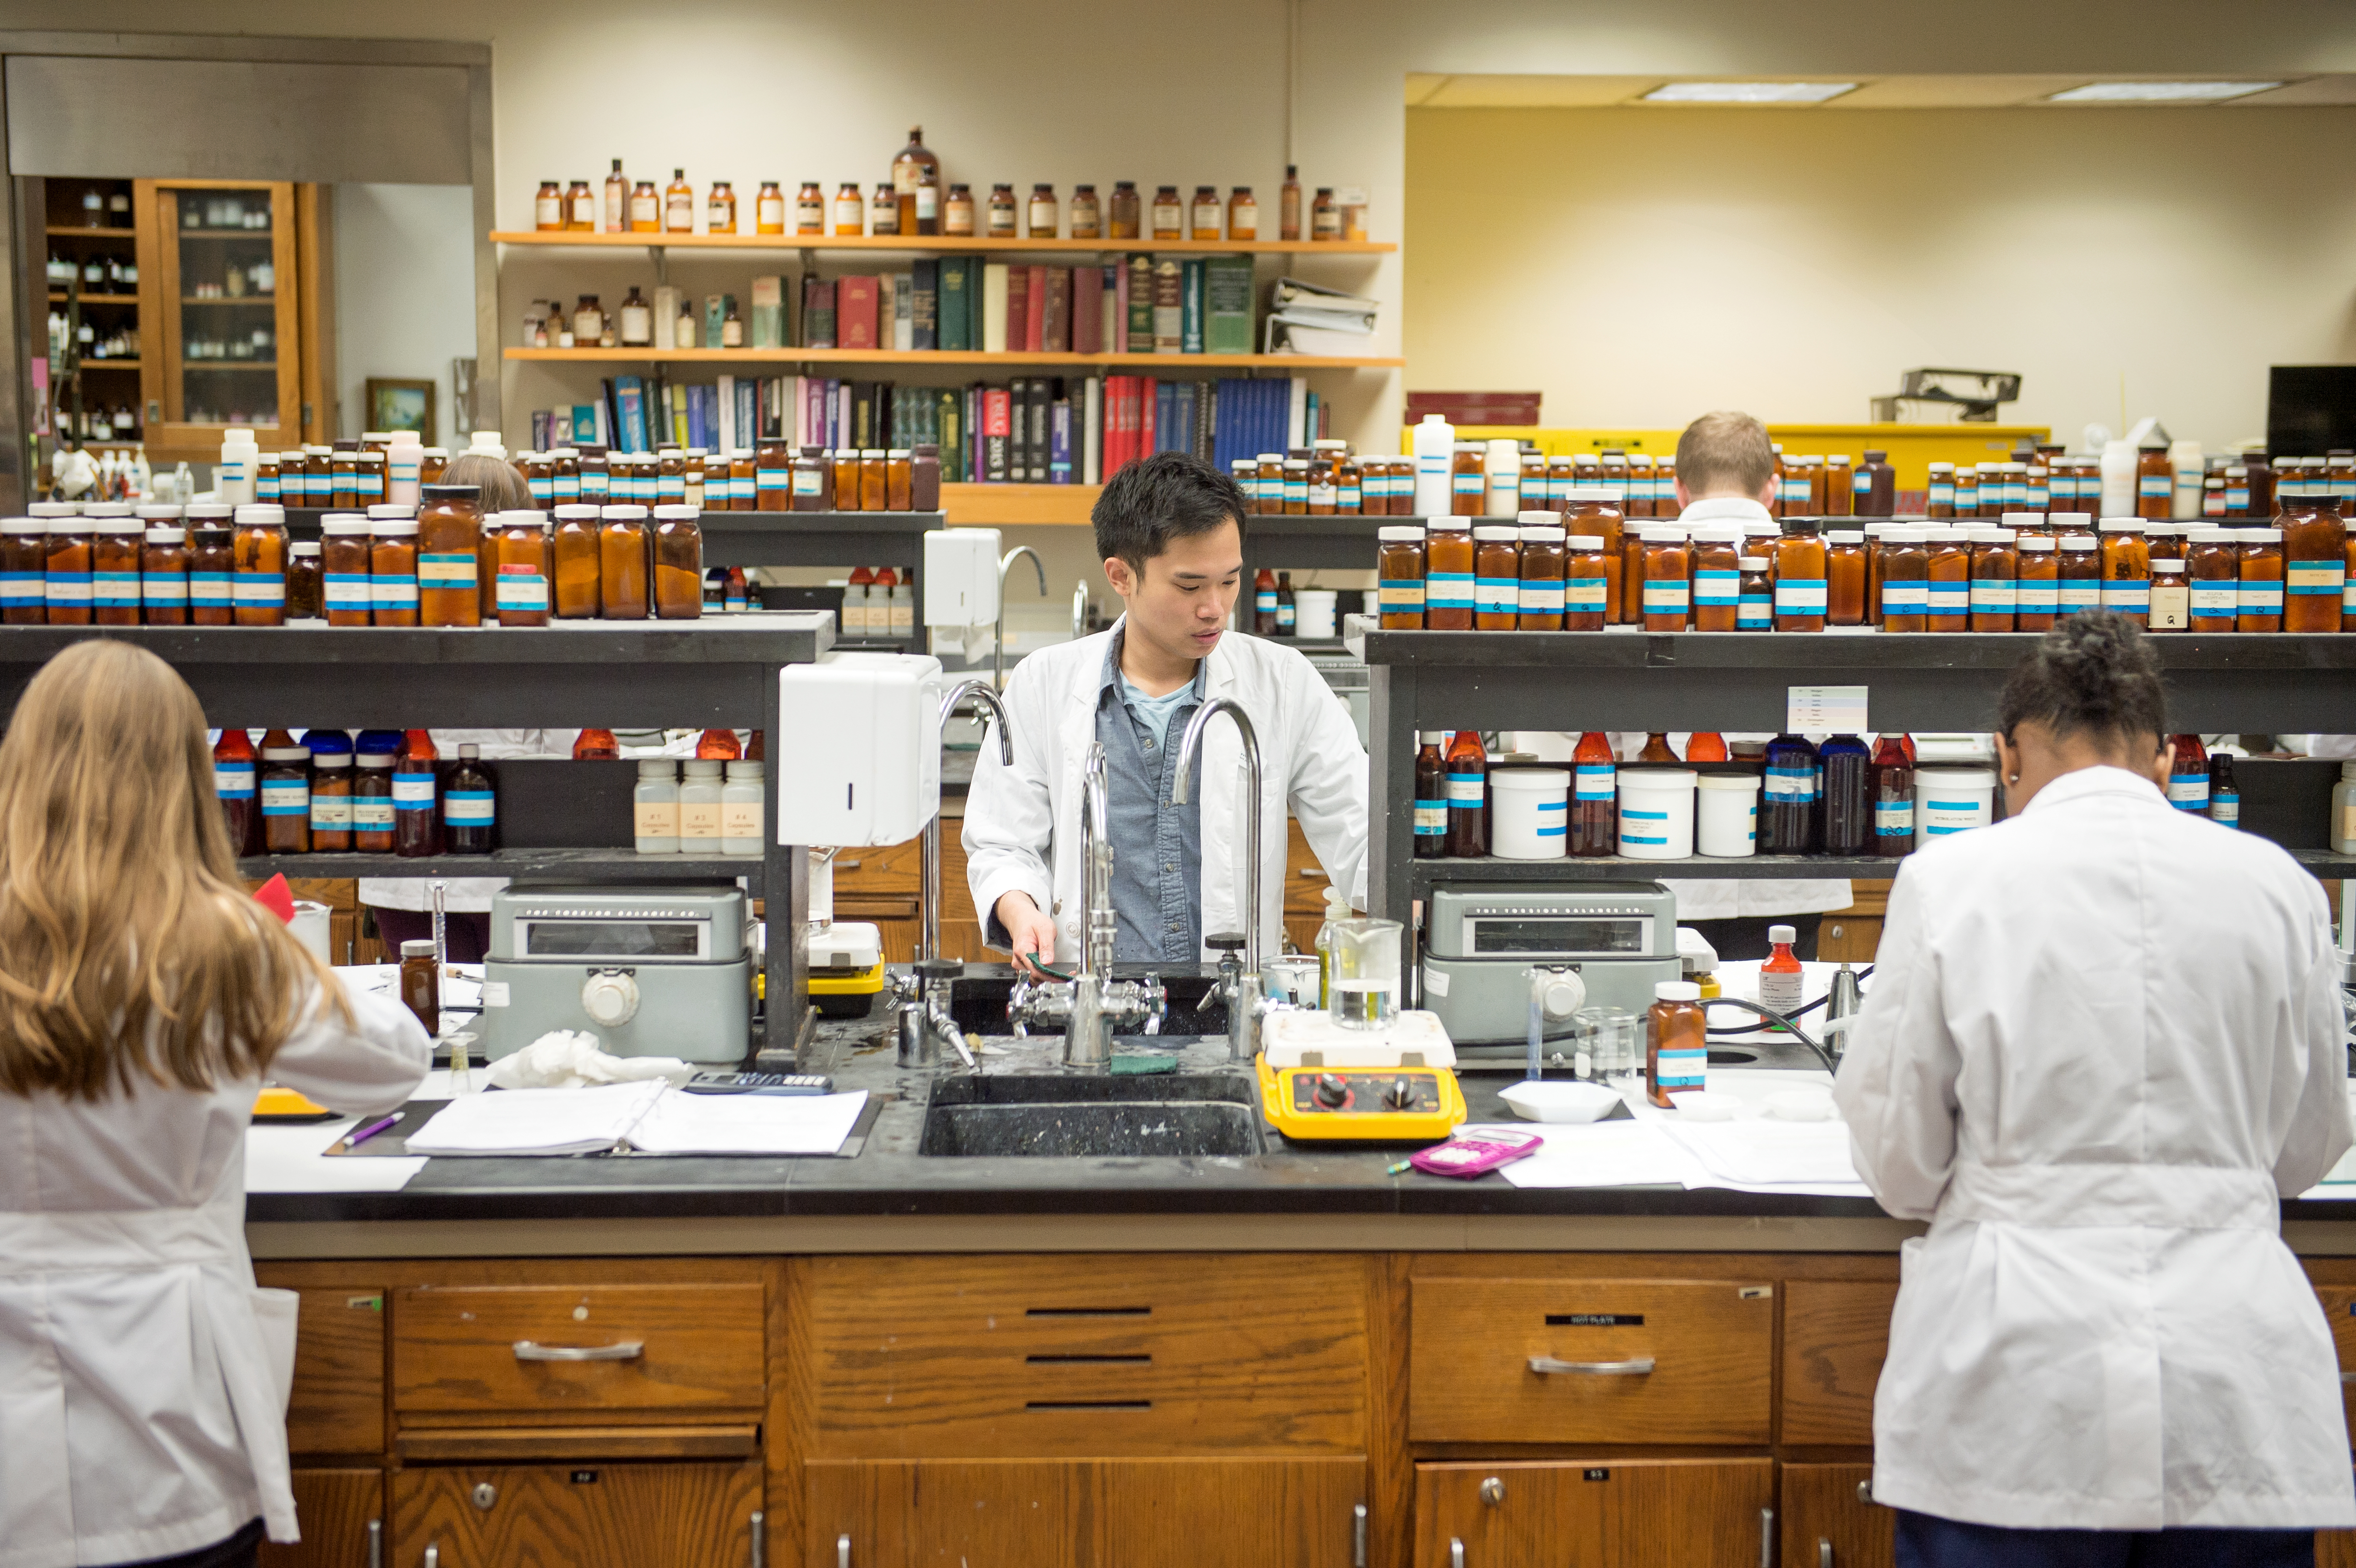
(1039, 429)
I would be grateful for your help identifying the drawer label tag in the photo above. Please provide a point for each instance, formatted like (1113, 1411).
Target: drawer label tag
(1754, 1293)
(1595, 1476)
(584, 1477)
(1595, 1320)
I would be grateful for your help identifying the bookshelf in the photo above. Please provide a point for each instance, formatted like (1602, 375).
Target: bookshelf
(939, 244)
(1287, 362)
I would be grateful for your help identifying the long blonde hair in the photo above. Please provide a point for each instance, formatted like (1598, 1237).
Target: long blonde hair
(129, 949)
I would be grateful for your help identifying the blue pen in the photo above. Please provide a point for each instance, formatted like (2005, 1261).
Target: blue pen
(366, 1133)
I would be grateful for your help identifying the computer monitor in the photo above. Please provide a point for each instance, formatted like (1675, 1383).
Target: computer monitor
(2311, 408)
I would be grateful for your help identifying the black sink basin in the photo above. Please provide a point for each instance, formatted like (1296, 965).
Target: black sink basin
(1025, 1115)
(977, 1002)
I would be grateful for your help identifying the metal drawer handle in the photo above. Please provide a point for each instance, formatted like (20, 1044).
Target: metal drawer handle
(2347, 1377)
(1547, 1365)
(1824, 1552)
(1865, 1491)
(1455, 1553)
(1359, 1536)
(626, 1350)
(376, 1543)
(433, 1555)
(842, 1550)
(760, 1523)
(1766, 1538)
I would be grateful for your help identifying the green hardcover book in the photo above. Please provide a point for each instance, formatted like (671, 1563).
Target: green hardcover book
(948, 431)
(1190, 298)
(956, 303)
(1227, 306)
(1140, 305)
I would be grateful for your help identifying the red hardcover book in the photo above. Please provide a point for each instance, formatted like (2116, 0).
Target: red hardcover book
(1035, 320)
(1147, 390)
(1088, 309)
(1055, 335)
(855, 313)
(997, 433)
(1018, 308)
(1120, 445)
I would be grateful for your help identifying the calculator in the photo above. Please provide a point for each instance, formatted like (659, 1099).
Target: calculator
(759, 1084)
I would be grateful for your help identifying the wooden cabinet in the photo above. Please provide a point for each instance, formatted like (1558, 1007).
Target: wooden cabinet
(1600, 1513)
(1139, 1513)
(1132, 1355)
(577, 1516)
(334, 1509)
(1591, 1361)
(337, 1406)
(1830, 1520)
(1836, 1334)
(1850, 935)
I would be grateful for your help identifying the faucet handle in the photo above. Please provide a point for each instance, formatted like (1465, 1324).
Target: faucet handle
(1224, 942)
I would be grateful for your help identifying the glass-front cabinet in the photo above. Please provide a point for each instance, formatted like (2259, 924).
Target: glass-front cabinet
(222, 275)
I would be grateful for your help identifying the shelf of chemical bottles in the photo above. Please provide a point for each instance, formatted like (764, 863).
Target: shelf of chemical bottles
(1423, 876)
(936, 244)
(1858, 650)
(589, 865)
(1174, 362)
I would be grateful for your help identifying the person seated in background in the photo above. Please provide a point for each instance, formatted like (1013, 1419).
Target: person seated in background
(1726, 476)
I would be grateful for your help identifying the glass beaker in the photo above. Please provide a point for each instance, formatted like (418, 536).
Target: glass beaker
(1365, 957)
(1624, 1031)
(1292, 978)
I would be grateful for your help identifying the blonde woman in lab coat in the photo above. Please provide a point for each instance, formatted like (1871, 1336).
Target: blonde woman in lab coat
(2104, 1040)
(143, 997)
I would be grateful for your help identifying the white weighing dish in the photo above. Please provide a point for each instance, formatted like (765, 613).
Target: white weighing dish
(1809, 1104)
(1567, 1101)
(1701, 1105)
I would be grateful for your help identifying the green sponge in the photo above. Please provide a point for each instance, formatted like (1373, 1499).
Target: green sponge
(1131, 1066)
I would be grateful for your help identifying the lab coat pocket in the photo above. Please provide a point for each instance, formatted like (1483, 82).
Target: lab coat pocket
(274, 1312)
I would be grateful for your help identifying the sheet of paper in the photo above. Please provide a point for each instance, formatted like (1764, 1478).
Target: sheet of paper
(1838, 709)
(1767, 1153)
(1603, 1154)
(748, 1124)
(537, 1121)
(294, 1159)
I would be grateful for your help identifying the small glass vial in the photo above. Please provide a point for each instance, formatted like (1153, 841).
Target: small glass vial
(1496, 584)
(883, 211)
(1169, 214)
(769, 209)
(1941, 501)
(1676, 1044)
(1243, 214)
(1948, 580)
(1003, 210)
(305, 594)
(1802, 590)
(1586, 584)
(421, 981)
(1203, 216)
(1448, 596)
(162, 576)
(654, 806)
(1125, 217)
(2126, 567)
(622, 586)
(286, 783)
(259, 588)
(720, 209)
(679, 564)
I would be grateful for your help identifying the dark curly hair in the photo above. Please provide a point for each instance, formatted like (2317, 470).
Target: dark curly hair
(1160, 498)
(2093, 674)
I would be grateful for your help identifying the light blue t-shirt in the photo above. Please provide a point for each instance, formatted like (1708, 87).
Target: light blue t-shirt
(1155, 711)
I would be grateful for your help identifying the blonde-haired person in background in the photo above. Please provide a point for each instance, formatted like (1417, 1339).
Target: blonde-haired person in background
(401, 905)
(143, 998)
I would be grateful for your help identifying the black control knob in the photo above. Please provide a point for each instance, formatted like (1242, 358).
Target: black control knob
(1333, 1091)
(1224, 942)
(1400, 1095)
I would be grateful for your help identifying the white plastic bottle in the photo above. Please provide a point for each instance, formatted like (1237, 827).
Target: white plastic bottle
(2119, 480)
(2344, 811)
(1501, 467)
(741, 812)
(233, 476)
(2185, 462)
(699, 807)
(1435, 448)
(654, 805)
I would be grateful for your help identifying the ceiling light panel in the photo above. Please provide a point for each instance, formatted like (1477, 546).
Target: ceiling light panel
(2160, 91)
(1749, 92)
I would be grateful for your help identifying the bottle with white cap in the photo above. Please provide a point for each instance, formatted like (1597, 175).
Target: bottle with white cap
(1780, 976)
(241, 460)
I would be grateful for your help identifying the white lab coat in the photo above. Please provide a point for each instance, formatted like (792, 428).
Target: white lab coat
(2102, 1038)
(1018, 819)
(142, 1377)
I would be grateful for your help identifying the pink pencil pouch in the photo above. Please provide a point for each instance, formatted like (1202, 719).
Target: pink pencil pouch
(1474, 1157)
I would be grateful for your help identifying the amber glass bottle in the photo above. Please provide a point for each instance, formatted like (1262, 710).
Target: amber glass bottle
(1468, 796)
(621, 566)
(1845, 577)
(1594, 814)
(1801, 585)
(449, 542)
(1448, 603)
(1947, 576)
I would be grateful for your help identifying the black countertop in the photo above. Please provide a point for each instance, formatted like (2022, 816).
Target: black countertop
(889, 1177)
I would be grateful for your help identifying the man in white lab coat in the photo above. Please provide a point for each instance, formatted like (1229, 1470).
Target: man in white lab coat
(1170, 531)
(2104, 1037)
(1725, 478)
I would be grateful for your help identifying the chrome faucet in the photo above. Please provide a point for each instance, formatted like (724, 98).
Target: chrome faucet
(1091, 1004)
(1239, 977)
(924, 1020)
(998, 644)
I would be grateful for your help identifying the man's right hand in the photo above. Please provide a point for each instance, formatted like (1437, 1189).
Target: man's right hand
(1029, 932)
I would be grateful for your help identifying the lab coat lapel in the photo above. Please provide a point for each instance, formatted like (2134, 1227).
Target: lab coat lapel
(1076, 729)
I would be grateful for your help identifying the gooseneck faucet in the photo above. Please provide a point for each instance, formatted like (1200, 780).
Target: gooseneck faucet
(1239, 976)
(924, 1022)
(998, 644)
(1091, 1004)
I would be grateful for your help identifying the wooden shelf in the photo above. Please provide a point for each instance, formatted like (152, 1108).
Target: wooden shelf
(263, 234)
(944, 356)
(57, 232)
(108, 365)
(992, 506)
(938, 244)
(228, 299)
(229, 364)
(59, 296)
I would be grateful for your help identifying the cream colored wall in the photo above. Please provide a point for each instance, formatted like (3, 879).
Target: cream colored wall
(1666, 263)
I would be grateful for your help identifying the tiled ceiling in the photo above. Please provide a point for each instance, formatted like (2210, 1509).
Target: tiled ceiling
(1435, 91)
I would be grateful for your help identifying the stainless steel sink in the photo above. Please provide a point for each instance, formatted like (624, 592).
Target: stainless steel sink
(1029, 1116)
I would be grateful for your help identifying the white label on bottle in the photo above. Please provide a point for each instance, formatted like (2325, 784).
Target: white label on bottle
(1800, 596)
(1780, 989)
(282, 797)
(1541, 596)
(1665, 598)
(2188, 792)
(656, 818)
(1585, 594)
(548, 212)
(468, 807)
(850, 214)
(2259, 597)
(233, 781)
(740, 819)
(1466, 789)
(331, 813)
(584, 211)
(1993, 595)
(2080, 594)
(372, 813)
(413, 792)
(699, 819)
(2171, 607)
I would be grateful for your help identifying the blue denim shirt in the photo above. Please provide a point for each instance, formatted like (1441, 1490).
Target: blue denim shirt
(1157, 874)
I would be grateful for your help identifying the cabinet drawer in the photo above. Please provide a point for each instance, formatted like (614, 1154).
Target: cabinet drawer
(337, 1405)
(1595, 1513)
(884, 868)
(1830, 1520)
(1836, 1334)
(601, 1516)
(2339, 1311)
(475, 1349)
(1600, 1360)
(1076, 1356)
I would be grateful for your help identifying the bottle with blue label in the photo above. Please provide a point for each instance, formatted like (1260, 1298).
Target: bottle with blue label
(470, 807)
(235, 780)
(1594, 798)
(331, 790)
(2188, 777)
(1468, 796)
(2225, 795)
(1787, 806)
(24, 567)
(1430, 797)
(1676, 1044)
(285, 789)
(416, 825)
